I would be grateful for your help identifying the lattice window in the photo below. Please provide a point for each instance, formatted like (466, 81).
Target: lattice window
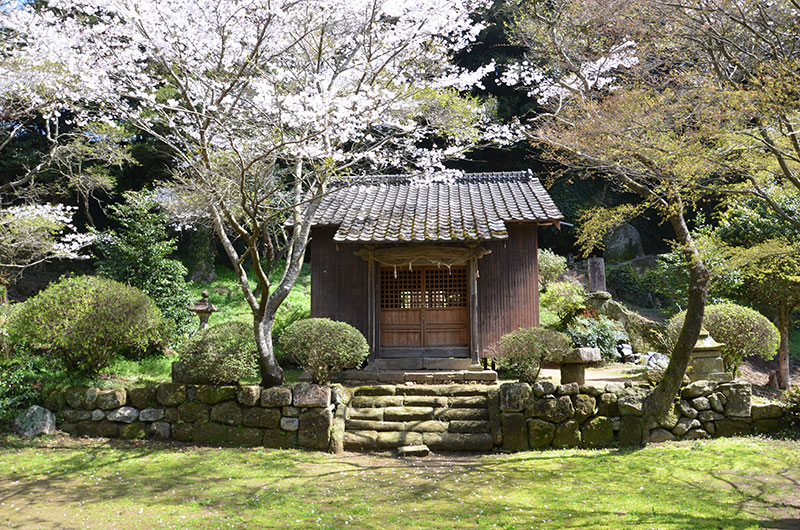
(401, 289)
(446, 287)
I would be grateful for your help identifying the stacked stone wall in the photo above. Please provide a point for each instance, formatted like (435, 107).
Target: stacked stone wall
(304, 415)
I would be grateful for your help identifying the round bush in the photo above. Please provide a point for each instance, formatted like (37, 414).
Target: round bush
(222, 354)
(324, 347)
(744, 332)
(85, 321)
(524, 351)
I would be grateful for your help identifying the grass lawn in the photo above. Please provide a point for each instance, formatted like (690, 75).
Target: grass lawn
(72, 483)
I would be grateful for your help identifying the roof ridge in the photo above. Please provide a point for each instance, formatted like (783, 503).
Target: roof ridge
(403, 178)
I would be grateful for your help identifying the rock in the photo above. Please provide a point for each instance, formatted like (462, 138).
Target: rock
(315, 427)
(739, 399)
(133, 431)
(686, 409)
(124, 415)
(294, 412)
(248, 395)
(363, 414)
(699, 388)
(695, 434)
(55, 401)
(245, 436)
(631, 400)
(111, 399)
(337, 432)
(622, 244)
(464, 426)
(584, 406)
(160, 430)
(767, 426)
(461, 414)
(194, 411)
(473, 402)
(684, 425)
(151, 414)
(228, 413)
(567, 434)
(210, 433)
(655, 360)
(630, 431)
(701, 403)
(715, 401)
(74, 416)
(260, 417)
(727, 427)
(514, 396)
(290, 424)
(390, 440)
(448, 441)
(409, 413)
(413, 450)
(615, 388)
(766, 411)
(626, 352)
(515, 432)
(280, 439)
(710, 415)
(143, 397)
(339, 395)
(540, 433)
(308, 395)
(98, 415)
(35, 421)
(182, 432)
(598, 432)
(670, 419)
(365, 402)
(107, 429)
(495, 416)
(592, 390)
(172, 414)
(360, 440)
(607, 405)
(542, 388)
(211, 394)
(81, 397)
(171, 394)
(661, 435)
(276, 397)
(570, 389)
(553, 410)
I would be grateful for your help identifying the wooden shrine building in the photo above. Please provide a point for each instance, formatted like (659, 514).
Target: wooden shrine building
(433, 274)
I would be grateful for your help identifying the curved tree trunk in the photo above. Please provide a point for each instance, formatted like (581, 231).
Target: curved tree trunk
(271, 371)
(662, 397)
(785, 328)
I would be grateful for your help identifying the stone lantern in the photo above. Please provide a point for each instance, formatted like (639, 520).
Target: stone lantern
(203, 309)
(707, 363)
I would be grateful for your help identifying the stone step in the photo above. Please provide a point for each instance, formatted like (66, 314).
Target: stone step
(415, 375)
(370, 440)
(456, 426)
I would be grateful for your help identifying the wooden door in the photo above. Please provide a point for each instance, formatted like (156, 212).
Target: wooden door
(424, 307)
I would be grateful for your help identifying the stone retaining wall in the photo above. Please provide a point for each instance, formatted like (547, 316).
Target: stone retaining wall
(304, 415)
(544, 415)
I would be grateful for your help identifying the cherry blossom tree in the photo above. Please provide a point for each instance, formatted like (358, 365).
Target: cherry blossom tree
(264, 103)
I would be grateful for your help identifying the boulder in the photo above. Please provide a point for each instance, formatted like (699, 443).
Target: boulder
(182, 432)
(171, 394)
(515, 432)
(766, 411)
(715, 400)
(738, 399)
(584, 406)
(160, 430)
(624, 243)
(248, 395)
(710, 415)
(569, 389)
(34, 421)
(212, 394)
(540, 433)
(615, 388)
(314, 430)
(607, 405)
(228, 413)
(194, 411)
(260, 417)
(684, 425)
(655, 361)
(699, 388)
(553, 410)
(245, 436)
(598, 432)
(727, 427)
(695, 434)
(107, 429)
(669, 419)
(81, 397)
(209, 433)
(592, 389)
(74, 416)
(133, 431)
(123, 415)
(661, 435)
(631, 401)
(543, 388)
(514, 396)
(151, 414)
(111, 399)
(98, 415)
(308, 395)
(701, 403)
(567, 434)
(142, 397)
(294, 412)
(630, 431)
(686, 409)
(448, 441)
(278, 396)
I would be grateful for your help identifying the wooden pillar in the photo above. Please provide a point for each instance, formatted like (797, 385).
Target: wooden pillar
(371, 308)
(473, 311)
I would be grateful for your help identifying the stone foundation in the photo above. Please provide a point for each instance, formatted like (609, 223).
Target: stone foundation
(304, 415)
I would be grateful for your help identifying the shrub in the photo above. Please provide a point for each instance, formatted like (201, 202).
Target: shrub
(21, 384)
(744, 332)
(221, 354)
(524, 351)
(137, 253)
(792, 399)
(324, 347)
(566, 299)
(551, 266)
(598, 332)
(85, 321)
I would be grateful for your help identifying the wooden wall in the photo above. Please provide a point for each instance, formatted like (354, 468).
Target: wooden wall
(508, 290)
(338, 280)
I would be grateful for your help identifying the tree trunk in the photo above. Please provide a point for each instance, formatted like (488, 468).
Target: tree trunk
(662, 397)
(271, 371)
(785, 328)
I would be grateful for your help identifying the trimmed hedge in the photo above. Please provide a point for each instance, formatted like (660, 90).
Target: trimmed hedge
(524, 351)
(221, 354)
(324, 347)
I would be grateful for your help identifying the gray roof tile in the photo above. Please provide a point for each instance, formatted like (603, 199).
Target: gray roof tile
(473, 206)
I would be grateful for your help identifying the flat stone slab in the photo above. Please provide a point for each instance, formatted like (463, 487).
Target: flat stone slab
(582, 355)
(413, 450)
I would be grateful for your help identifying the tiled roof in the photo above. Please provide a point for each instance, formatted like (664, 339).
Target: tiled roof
(473, 206)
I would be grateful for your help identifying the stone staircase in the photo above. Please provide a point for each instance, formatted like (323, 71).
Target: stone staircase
(457, 417)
